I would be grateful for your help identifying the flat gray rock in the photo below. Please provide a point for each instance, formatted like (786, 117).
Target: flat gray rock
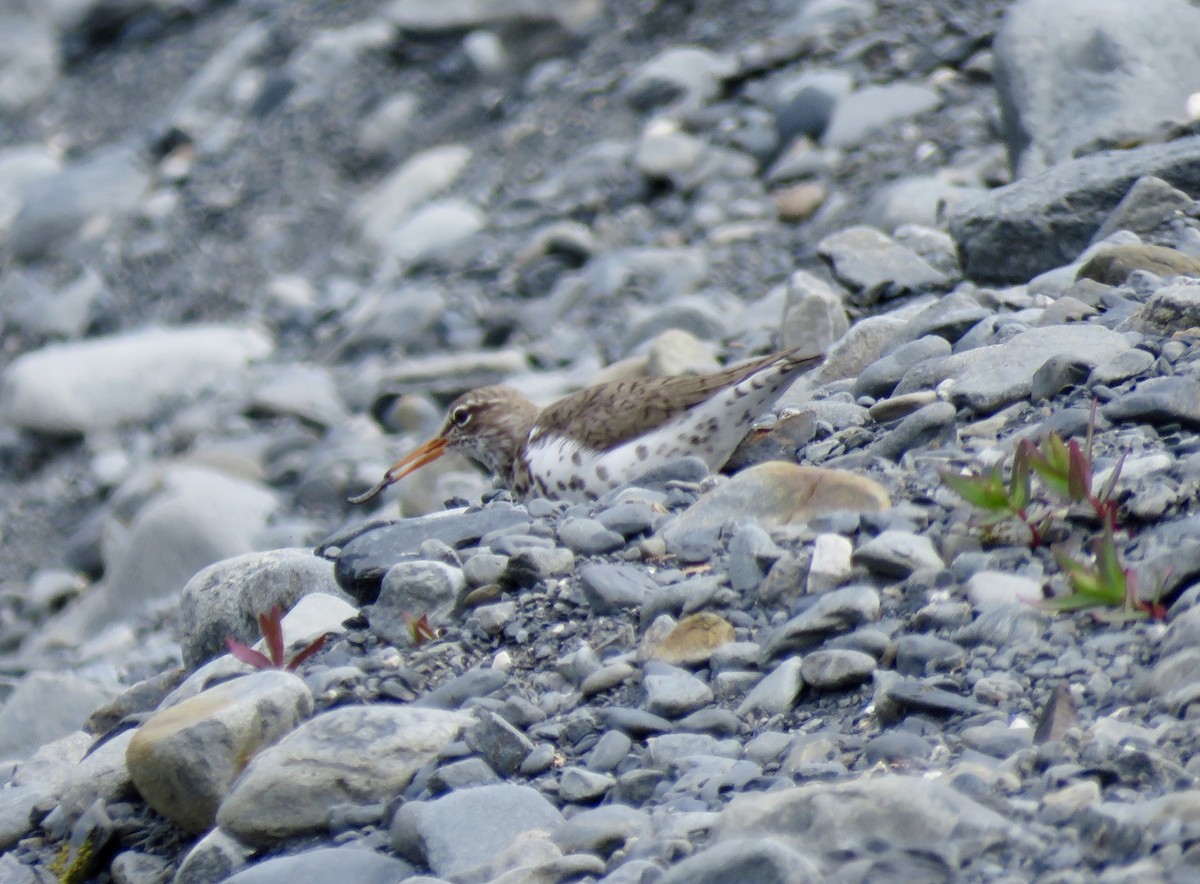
(1143, 70)
(353, 754)
(842, 820)
(988, 378)
(871, 108)
(357, 864)
(103, 383)
(761, 860)
(365, 553)
(43, 707)
(1013, 233)
(106, 185)
(1161, 400)
(465, 830)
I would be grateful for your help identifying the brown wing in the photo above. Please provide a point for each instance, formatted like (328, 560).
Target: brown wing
(607, 415)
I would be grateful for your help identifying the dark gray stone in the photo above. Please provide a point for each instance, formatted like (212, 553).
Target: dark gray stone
(1162, 400)
(830, 613)
(463, 830)
(364, 553)
(453, 693)
(881, 376)
(1147, 207)
(613, 587)
(1042, 222)
(503, 746)
(930, 427)
(896, 697)
(896, 747)
(1073, 72)
(327, 864)
(835, 670)
(927, 654)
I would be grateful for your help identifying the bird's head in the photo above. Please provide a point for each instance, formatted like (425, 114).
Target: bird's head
(488, 425)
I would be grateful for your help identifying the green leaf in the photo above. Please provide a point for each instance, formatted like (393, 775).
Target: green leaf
(1020, 482)
(1076, 601)
(1108, 564)
(985, 491)
(1052, 463)
(1079, 473)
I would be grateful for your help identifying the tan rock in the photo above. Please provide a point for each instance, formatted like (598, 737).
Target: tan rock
(778, 493)
(1113, 265)
(184, 759)
(348, 755)
(693, 639)
(676, 352)
(800, 201)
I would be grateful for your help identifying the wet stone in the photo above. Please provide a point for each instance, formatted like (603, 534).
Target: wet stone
(837, 611)
(898, 553)
(672, 692)
(363, 556)
(1164, 400)
(613, 587)
(896, 696)
(588, 537)
(581, 786)
(880, 377)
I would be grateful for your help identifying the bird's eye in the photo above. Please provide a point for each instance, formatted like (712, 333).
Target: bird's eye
(461, 416)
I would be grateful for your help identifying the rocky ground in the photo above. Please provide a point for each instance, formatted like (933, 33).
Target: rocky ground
(253, 248)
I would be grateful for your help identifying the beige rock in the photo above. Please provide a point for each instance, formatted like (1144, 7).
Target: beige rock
(1112, 265)
(693, 639)
(676, 352)
(800, 202)
(184, 759)
(349, 755)
(778, 493)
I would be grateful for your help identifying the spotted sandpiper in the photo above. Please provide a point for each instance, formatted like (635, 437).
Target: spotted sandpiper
(591, 441)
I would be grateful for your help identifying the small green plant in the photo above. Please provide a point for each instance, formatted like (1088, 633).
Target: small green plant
(271, 626)
(1066, 469)
(1065, 472)
(1065, 480)
(1002, 500)
(420, 630)
(1104, 584)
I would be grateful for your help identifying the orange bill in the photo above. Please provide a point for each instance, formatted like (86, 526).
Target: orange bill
(427, 453)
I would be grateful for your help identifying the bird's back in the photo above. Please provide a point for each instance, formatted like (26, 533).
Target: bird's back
(594, 440)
